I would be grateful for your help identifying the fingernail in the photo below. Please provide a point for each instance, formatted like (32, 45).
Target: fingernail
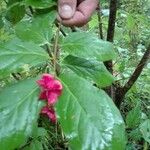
(66, 11)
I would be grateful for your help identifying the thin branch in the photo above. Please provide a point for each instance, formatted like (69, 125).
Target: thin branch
(15, 76)
(56, 51)
(110, 38)
(100, 25)
(137, 71)
(31, 10)
(121, 79)
(61, 30)
(73, 29)
(49, 51)
(111, 29)
(121, 91)
(112, 20)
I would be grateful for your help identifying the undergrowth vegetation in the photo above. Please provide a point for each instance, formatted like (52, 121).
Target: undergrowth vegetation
(97, 81)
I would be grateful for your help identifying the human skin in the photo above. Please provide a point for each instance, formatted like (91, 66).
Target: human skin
(75, 12)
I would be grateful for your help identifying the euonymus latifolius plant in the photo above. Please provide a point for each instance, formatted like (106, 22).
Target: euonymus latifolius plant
(54, 76)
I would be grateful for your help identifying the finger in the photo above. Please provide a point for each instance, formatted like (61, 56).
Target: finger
(82, 15)
(66, 8)
(77, 20)
(87, 7)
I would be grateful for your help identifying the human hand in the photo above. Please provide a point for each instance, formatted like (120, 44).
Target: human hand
(75, 12)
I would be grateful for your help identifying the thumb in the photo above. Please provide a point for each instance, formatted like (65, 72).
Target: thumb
(66, 8)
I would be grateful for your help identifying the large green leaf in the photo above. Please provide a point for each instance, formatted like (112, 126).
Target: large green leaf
(15, 54)
(90, 69)
(19, 110)
(88, 116)
(87, 45)
(39, 30)
(41, 3)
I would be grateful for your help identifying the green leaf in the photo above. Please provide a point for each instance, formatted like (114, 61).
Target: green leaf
(87, 45)
(15, 12)
(1, 21)
(39, 30)
(19, 110)
(145, 130)
(88, 116)
(93, 23)
(131, 23)
(89, 69)
(41, 3)
(15, 54)
(134, 117)
(41, 132)
(35, 145)
(135, 134)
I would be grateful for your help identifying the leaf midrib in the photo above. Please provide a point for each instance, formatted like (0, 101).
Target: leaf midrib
(81, 106)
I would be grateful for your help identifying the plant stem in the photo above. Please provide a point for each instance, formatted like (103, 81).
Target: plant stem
(73, 29)
(15, 76)
(112, 20)
(110, 38)
(61, 30)
(100, 22)
(111, 29)
(31, 10)
(56, 50)
(49, 50)
(145, 146)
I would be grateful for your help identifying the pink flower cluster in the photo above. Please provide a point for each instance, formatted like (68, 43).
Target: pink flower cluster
(51, 89)
(50, 112)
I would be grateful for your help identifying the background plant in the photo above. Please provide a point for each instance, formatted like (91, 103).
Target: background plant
(33, 43)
